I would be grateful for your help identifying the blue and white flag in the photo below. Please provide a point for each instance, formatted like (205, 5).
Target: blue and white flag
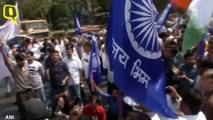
(202, 51)
(9, 30)
(77, 23)
(135, 55)
(95, 62)
(164, 16)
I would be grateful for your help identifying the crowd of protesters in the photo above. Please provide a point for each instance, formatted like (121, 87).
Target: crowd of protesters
(63, 62)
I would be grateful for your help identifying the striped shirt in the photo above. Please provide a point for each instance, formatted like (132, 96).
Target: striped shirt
(36, 72)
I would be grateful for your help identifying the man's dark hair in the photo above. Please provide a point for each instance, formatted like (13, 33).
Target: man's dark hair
(52, 40)
(54, 51)
(29, 53)
(45, 40)
(94, 97)
(163, 35)
(50, 49)
(69, 46)
(194, 99)
(11, 46)
(20, 57)
(188, 54)
(75, 99)
(27, 40)
(205, 63)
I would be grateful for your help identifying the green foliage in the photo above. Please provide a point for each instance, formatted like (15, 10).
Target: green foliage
(105, 5)
(2, 3)
(59, 13)
(34, 9)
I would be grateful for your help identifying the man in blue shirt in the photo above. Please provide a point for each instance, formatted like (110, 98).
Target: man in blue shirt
(113, 101)
(58, 75)
(188, 72)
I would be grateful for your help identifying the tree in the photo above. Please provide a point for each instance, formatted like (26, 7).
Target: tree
(105, 5)
(88, 8)
(2, 3)
(2, 20)
(60, 14)
(34, 9)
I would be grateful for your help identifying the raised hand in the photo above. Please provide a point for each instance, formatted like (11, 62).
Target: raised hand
(174, 92)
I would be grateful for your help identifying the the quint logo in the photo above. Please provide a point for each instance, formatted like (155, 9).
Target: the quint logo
(11, 12)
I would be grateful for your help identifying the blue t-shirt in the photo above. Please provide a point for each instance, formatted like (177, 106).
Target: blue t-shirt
(57, 74)
(113, 103)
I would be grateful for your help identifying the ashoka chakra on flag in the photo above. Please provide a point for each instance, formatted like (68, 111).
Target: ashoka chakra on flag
(140, 17)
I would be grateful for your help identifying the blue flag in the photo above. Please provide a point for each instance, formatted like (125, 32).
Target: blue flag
(135, 55)
(164, 16)
(95, 63)
(77, 23)
(202, 51)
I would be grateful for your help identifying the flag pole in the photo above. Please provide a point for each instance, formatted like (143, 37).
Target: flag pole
(92, 85)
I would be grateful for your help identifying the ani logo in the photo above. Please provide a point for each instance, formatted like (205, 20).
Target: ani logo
(140, 17)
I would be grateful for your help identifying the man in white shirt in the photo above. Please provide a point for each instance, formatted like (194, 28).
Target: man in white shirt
(36, 46)
(199, 116)
(36, 71)
(85, 63)
(86, 58)
(190, 106)
(75, 69)
(56, 46)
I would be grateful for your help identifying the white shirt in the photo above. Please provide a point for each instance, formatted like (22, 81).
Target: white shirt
(62, 49)
(58, 49)
(199, 116)
(85, 63)
(74, 65)
(35, 71)
(104, 57)
(173, 106)
(36, 50)
(153, 116)
(61, 45)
